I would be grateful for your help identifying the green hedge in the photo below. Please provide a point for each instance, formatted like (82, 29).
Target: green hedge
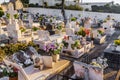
(57, 6)
(10, 49)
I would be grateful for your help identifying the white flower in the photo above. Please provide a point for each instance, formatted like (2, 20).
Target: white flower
(3, 66)
(1, 70)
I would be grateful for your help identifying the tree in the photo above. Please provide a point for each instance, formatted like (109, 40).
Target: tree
(63, 11)
(112, 2)
(86, 9)
(1, 12)
(95, 8)
(25, 2)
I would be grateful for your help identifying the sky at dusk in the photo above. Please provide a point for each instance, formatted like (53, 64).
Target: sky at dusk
(116, 1)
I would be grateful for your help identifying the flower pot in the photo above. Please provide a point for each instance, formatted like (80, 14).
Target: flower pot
(13, 78)
(56, 57)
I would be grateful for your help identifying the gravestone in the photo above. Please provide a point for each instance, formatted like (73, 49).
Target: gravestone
(11, 11)
(30, 20)
(18, 5)
(70, 42)
(70, 31)
(13, 30)
(43, 35)
(88, 23)
(68, 25)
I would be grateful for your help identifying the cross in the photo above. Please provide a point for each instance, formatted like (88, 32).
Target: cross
(11, 10)
(70, 42)
(70, 31)
(30, 20)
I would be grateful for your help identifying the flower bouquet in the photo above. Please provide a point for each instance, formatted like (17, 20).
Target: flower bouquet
(9, 71)
(54, 49)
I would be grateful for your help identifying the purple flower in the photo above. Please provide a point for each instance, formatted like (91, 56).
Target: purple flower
(44, 48)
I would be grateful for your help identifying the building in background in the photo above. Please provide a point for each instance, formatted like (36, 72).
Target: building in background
(16, 3)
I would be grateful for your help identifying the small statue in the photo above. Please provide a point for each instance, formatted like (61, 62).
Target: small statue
(39, 63)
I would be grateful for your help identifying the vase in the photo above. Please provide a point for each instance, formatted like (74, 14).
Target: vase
(55, 57)
(13, 78)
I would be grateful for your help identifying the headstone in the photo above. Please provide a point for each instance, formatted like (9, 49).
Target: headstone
(70, 42)
(14, 30)
(43, 35)
(18, 5)
(70, 31)
(11, 10)
(73, 24)
(30, 20)
(88, 23)
(68, 25)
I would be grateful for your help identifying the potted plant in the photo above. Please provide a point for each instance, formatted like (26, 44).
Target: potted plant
(16, 16)
(10, 71)
(56, 52)
(117, 42)
(73, 19)
(81, 32)
(59, 27)
(35, 28)
(117, 45)
(22, 29)
(76, 45)
(56, 55)
(8, 16)
(100, 32)
(65, 43)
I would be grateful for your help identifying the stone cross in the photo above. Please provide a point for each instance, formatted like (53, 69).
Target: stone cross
(70, 31)
(11, 11)
(70, 42)
(30, 20)
(68, 25)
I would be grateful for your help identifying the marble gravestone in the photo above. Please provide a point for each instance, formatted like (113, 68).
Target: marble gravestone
(70, 31)
(68, 25)
(108, 26)
(30, 20)
(88, 23)
(13, 30)
(11, 11)
(70, 42)
(43, 35)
